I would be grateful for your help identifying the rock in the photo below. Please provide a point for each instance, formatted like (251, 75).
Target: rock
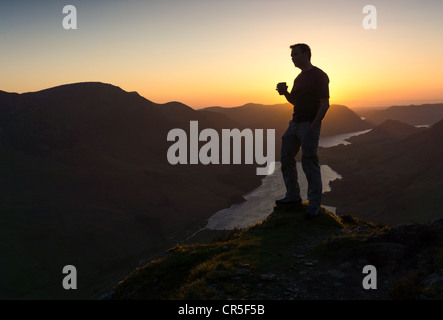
(346, 265)
(242, 272)
(336, 274)
(212, 286)
(268, 276)
(338, 284)
(431, 279)
(293, 290)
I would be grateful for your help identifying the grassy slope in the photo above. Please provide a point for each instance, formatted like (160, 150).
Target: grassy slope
(289, 257)
(191, 270)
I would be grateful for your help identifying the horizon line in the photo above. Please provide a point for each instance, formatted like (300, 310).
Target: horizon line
(378, 105)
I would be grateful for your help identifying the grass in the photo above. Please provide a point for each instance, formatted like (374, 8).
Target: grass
(229, 268)
(412, 287)
(322, 257)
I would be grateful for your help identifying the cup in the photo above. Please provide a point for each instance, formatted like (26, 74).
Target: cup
(282, 88)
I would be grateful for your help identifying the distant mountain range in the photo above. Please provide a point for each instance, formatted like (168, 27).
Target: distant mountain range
(395, 165)
(85, 181)
(425, 114)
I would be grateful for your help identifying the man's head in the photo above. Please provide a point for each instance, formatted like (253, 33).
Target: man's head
(300, 54)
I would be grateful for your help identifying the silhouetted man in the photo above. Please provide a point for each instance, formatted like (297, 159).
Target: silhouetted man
(310, 97)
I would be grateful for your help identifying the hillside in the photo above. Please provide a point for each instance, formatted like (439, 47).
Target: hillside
(389, 131)
(288, 257)
(397, 164)
(86, 181)
(426, 114)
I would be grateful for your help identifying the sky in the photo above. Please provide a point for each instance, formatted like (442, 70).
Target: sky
(226, 53)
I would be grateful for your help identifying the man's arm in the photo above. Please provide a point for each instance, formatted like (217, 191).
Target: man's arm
(324, 106)
(284, 92)
(289, 97)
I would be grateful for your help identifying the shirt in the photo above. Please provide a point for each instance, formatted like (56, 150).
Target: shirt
(309, 87)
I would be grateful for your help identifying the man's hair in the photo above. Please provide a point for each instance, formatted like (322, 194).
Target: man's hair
(303, 48)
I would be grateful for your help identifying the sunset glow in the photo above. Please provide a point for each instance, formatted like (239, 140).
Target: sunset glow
(226, 53)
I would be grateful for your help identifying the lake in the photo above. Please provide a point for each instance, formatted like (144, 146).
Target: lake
(331, 141)
(260, 202)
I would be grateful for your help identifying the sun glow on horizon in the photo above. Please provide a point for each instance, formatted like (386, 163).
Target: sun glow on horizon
(208, 53)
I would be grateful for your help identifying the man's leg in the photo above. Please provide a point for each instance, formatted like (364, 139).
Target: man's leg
(289, 149)
(311, 168)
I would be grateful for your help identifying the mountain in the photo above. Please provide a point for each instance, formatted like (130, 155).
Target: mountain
(287, 257)
(86, 182)
(426, 114)
(340, 119)
(387, 132)
(401, 171)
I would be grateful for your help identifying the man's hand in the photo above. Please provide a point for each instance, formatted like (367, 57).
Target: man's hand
(315, 125)
(282, 88)
(324, 106)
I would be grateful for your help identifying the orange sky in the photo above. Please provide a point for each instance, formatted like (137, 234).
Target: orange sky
(227, 53)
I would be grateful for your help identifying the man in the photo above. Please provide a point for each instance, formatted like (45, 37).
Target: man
(310, 97)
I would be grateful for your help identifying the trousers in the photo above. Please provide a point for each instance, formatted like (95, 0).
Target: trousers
(300, 135)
